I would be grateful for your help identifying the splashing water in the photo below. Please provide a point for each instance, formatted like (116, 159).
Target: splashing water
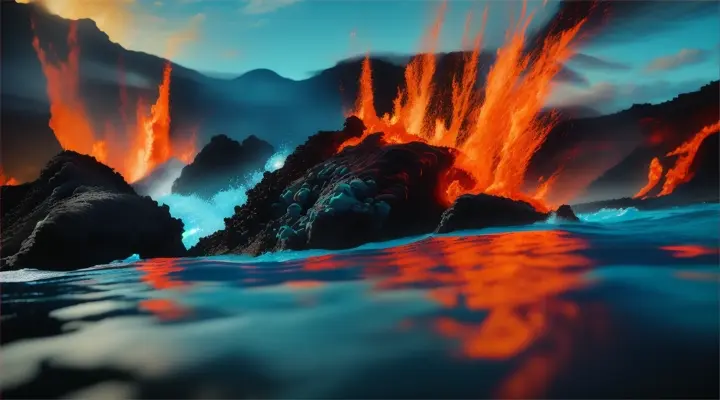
(202, 217)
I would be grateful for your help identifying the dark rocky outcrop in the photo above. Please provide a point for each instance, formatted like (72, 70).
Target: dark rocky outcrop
(325, 199)
(373, 191)
(566, 212)
(484, 211)
(221, 164)
(81, 213)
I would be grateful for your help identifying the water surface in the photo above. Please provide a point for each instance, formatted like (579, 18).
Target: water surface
(623, 305)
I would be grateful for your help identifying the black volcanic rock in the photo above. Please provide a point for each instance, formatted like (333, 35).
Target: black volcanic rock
(485, 211)
(81, 213)
(252, 219)
(325, 199)
(566, 212)
(221, 164)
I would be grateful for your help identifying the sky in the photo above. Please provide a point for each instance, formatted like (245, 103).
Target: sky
(640, 57)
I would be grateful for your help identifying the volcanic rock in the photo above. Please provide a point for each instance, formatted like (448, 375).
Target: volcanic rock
(222, 164)
(566, 213)
(325, 199)
(484, 211)
(81, 213)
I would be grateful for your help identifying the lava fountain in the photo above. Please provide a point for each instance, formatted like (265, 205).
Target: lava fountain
(148, 143)
(496, 139)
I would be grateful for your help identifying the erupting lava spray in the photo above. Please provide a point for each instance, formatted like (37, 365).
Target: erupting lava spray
(680, 173)
(497, 139)
(654, 175)
(148, 141)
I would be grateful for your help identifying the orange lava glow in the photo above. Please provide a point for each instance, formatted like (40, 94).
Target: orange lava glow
(513, 276)
(680, 172)
(151, 145)
(654, 176)
(690, 250)
(68, 118)
(136, 153)
(7, 180)
(164, 309)
(496, 139)
(157, 273)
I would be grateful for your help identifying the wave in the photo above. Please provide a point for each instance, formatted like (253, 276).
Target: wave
(202, 217)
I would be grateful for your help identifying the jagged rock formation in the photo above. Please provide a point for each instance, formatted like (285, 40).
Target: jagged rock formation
(370, 192)
(222, 164)
(81, 213)
(485, 211)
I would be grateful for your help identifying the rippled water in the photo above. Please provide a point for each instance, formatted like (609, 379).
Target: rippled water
(622, 305)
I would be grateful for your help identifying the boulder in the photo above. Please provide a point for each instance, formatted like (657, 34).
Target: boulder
(81, 213)
(484, 211)
(566, 212)
(222, 164)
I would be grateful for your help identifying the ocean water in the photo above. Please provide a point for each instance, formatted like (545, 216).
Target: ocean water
(624, 304)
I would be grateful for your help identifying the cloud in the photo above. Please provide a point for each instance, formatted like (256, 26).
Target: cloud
(254, 7)
(567, 75)
(591, 62)
(674, 61)
(612, 97)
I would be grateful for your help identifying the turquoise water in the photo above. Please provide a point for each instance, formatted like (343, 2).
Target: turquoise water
(624, 304)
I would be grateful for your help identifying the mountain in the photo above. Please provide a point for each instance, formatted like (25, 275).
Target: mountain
(609, 155)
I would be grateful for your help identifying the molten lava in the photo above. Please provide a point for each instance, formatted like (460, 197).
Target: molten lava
(654, 176)
(148, 142)
(680, 173)
(7, 180)
(496, 139)
(68, 118)
(152, 139)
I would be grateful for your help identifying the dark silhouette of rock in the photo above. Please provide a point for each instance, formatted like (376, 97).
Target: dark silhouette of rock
(485, 211)
(81, 213)
(566, 212)
(222, 164)
(325, 199)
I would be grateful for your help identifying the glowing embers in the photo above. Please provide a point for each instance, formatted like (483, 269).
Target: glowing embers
(680, 173)
(135, 153)
(496, 139)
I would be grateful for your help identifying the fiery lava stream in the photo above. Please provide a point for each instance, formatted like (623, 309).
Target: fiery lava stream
(135, 154)
(496, 139)
(680, 173)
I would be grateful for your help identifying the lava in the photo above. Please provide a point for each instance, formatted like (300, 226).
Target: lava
(148, 142)
(151, 145)
(68, 118)
(497, 138)
(680, 172)
(654, 176)
(7, 180)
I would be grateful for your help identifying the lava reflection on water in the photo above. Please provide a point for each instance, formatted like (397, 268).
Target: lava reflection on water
(513, 279)
(157, 273)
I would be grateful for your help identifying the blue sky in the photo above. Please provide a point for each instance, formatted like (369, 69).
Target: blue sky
(643, 57)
